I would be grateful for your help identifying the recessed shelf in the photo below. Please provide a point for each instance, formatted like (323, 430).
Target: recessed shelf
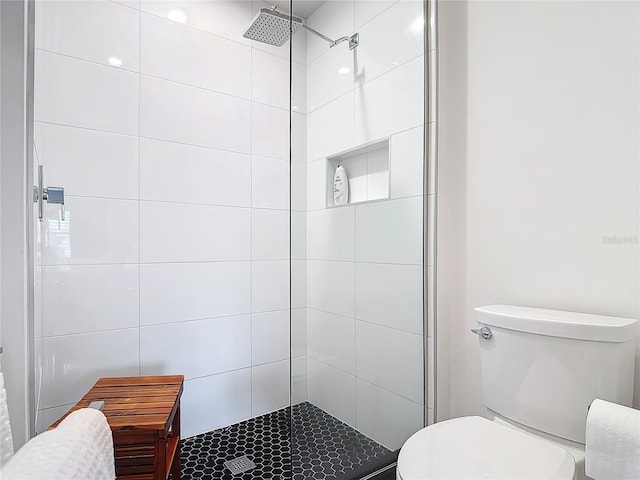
(367, 168)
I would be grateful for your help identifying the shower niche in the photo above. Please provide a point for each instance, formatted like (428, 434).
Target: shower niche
(367, 168)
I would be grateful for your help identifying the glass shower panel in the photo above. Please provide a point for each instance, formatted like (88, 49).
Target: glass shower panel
(357, 324)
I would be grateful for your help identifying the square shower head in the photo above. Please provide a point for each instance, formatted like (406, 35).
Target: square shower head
(272, 27)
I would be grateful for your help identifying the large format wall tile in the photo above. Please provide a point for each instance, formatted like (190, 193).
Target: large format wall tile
(203, 347)
(225, 18)
(330, 234)
(269, 234)
(270, 79)
(171, 232)
(391, 103)
(390, 232)
(269, 387)
(331, 340)
(393, 38)
(334, 19)
(390, 295)
(88, 162)
(270, 183)
(95, 231)
(387, 417)
(174, 172)
(173, 292)
(71, 364)
(186, 114)
(96, 31)
(407, 163)
(229, 392)
(269, 285)
(173, 51)
(399, 370)
(332, 128)
(330, 287)
(269, 337)
(332, 390)
(330, 76)
(84, 94)
(88, 298)
(269, 131)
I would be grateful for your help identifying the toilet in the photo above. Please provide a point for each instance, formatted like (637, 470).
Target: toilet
(541, 369)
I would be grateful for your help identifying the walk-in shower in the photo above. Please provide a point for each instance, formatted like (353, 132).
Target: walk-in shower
(198, 174)
(274, 28)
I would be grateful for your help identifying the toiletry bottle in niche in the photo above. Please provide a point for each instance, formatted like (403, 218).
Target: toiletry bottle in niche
(340, 187)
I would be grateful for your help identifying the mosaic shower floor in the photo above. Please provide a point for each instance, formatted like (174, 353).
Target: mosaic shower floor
(315, 445)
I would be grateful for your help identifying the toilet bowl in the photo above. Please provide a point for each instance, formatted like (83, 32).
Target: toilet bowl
(474, 447)
(541, 369)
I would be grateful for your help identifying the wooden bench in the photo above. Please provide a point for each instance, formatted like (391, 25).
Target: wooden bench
(144, 416)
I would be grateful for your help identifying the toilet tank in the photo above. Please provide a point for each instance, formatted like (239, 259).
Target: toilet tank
(543, 368)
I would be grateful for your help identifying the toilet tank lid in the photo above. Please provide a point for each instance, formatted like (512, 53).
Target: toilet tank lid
(556, 323)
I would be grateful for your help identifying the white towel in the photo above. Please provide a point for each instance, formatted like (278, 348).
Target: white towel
(6, 440)
(80, 448)
(613, 442)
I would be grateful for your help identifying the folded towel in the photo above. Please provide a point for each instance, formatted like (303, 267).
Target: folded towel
(613, 442)
(80, 448)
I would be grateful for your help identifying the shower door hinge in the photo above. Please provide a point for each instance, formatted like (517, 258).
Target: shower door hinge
(50, 194)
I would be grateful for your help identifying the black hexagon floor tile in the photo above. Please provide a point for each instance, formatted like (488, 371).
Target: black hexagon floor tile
(299, 443)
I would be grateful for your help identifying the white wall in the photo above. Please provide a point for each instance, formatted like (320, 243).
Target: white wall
(365, 262)
(538, 165)
(174, 255)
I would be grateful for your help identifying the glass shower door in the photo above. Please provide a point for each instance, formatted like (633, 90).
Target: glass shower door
(357, 132)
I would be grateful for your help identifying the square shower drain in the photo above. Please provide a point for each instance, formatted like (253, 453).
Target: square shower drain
(239, 465)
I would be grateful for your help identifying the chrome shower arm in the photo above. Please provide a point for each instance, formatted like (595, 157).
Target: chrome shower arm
(315, 32)
(353, 39)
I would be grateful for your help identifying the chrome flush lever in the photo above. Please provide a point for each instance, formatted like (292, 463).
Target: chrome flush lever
(50, 194)
(484, 332)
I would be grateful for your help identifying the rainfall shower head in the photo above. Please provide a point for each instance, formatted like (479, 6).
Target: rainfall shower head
(275, 28)
(272, 27)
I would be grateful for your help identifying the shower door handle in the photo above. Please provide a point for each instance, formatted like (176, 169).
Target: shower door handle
(50, 194)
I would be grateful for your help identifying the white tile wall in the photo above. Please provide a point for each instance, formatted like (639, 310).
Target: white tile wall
(72, 303)
(331, 234)
(332, 390)
(89, 162)
(96, 231)
(206, 347)
(185, 114)
(269, 387)
(334, 127)
(230, 393)
(390, 232)
(176, 169)
(331, 340)
(95, 31)
(172, 292)
(399, 370)
(331, 287)
(270, 285)
(365, 266)
(385, 416)
(69, 91)
(186, 55)
(174, 172)
(390, 295)
(171, 232)
(270, 336)
(72, 363)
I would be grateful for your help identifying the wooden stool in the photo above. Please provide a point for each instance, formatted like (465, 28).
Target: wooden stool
(144, 416)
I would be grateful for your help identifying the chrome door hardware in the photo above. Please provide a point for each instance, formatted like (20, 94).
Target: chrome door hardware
(50, 194)
(484, 332)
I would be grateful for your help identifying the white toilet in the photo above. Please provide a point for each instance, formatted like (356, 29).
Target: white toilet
(541, 369)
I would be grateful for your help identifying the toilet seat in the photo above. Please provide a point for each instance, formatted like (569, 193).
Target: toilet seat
(474, 448)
